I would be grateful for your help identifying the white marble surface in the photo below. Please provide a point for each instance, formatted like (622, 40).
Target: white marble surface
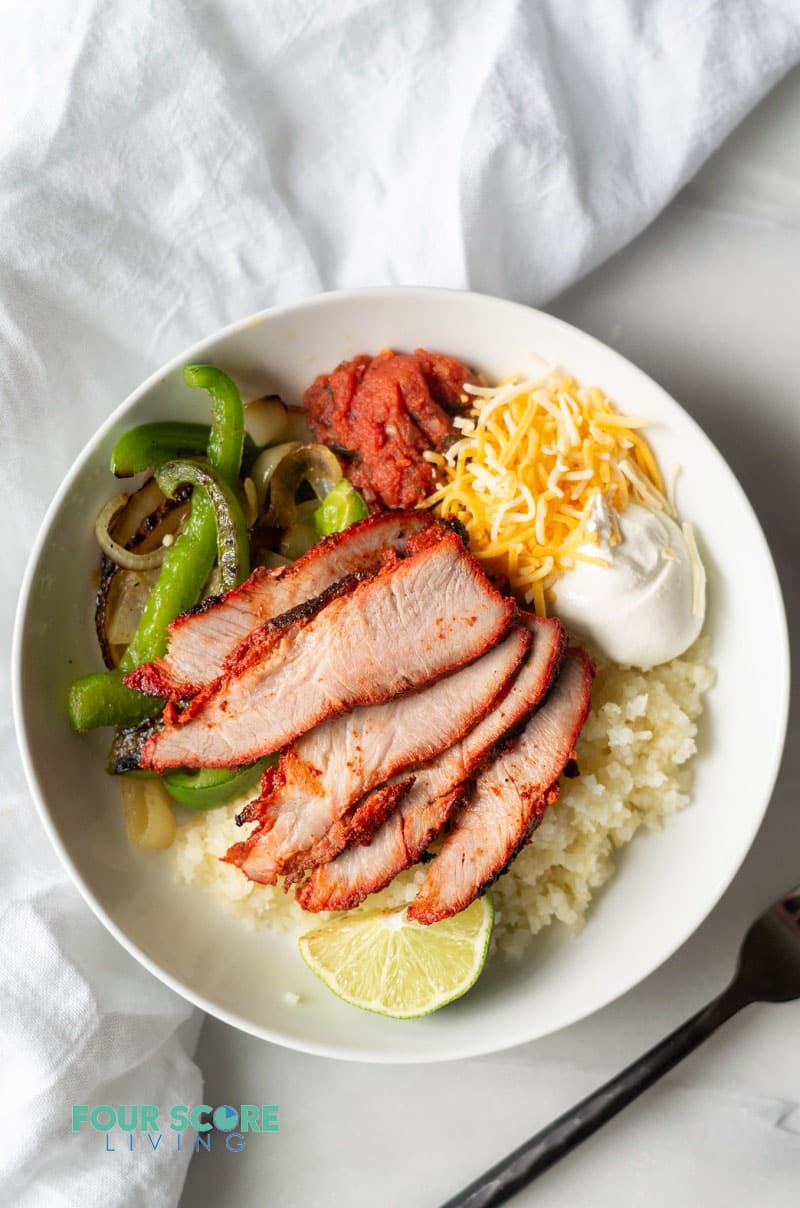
(707, 302)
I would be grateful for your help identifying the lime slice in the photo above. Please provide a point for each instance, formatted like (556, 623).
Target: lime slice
(380, 961)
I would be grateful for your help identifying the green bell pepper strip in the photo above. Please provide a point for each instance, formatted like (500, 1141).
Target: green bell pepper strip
(151, 445)
(188, 562)
(343, 506)
(233, 551)
(102, 699)
(208, 788)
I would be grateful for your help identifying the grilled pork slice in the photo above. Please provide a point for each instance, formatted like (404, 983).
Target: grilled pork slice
(200, 640)
(426, 804)
(416, 620)
(336, 763)
(508, 799)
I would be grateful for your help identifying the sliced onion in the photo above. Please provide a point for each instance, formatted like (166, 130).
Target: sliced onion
(126, 600)
(125, 558)
(145, 523)
(273, 561)
(265, 466)
(149, 821)
(297, 540)
(296, 425)
(314, 464)
(305, 512)
(141, 504)
(213, 584)
(249, 502)
(265, 419)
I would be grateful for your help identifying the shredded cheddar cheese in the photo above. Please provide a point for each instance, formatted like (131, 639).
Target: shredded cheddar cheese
(522, 476)
(698, 571)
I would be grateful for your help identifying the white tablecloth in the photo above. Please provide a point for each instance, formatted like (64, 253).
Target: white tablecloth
(164, 170)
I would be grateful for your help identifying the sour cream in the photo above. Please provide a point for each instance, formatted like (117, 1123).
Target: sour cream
(639, 609)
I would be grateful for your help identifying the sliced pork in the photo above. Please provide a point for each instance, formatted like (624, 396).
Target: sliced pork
(508, 799)
(427, 802)
(202, 639)
(303, 801)
(416, 620)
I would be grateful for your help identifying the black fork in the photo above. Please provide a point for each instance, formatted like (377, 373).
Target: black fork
(768, 971)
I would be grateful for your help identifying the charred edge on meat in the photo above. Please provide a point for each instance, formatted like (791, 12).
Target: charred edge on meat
(507, 740)
(453, 523)
(211, 602)
(547, 799)
(254, 645)
(254, 809)
(320, 548)
(356, 829)
(155, 679)
(126, 747)
(203, 606)
(361, 825)
(271, 779)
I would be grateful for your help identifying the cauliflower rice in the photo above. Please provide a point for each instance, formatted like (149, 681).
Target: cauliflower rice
(634, 754)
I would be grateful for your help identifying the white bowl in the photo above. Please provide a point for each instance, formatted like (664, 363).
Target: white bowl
(662, 890)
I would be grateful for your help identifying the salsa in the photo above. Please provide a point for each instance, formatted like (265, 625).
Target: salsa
(380, 414)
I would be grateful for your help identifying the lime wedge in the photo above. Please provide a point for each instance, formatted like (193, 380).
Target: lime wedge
(380, 961)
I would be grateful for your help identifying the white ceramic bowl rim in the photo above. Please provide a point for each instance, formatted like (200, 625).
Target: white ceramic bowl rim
(780, 682)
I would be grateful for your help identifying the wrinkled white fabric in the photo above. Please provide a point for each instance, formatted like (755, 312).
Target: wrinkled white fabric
(168, 167)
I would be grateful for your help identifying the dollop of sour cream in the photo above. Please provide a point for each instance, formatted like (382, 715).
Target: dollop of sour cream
(640, 608)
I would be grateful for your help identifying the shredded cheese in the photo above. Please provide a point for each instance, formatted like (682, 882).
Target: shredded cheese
(672, 484)
(521, 477)
(698, 571)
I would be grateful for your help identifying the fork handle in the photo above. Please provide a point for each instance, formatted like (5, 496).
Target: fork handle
(556, 1140)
